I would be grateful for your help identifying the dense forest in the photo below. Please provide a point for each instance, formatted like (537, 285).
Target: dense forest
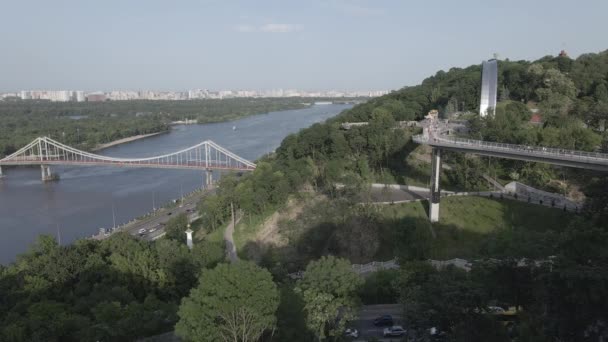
(87, 124)
(121, 288)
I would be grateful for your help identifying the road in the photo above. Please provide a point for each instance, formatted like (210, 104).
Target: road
(367, 314)
(154, 224)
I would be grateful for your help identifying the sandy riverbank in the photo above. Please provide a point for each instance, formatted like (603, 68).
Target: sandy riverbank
(125, 140)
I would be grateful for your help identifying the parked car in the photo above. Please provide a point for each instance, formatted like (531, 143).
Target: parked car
(495, 310)
(351, 332)
(142, 231)
(386, 320)
(395, 330)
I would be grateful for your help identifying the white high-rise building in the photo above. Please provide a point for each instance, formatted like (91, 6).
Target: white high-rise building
(26, 95)
(80, 96)
(489, 80)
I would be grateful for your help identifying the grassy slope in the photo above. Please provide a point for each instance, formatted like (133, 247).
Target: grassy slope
(464, 226)
(465, 221)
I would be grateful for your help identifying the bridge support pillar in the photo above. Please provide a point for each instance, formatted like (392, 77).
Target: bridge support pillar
(435, 194)
(209, 179)
(46, 173)
(1, 174)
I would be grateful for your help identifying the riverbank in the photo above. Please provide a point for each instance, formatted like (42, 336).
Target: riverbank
(125, 140)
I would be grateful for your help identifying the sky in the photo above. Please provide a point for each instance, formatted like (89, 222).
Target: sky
(311, 45)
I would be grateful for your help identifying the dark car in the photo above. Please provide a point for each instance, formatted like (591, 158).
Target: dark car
(169, 213)
(386, 320)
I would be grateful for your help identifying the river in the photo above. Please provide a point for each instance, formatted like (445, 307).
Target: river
(86, 197)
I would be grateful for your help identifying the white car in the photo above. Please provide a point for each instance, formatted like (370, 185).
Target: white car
(395, 330)
(496, 310)
(351, 332)
(142, 231)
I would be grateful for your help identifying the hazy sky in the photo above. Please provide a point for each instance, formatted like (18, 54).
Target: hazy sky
(340, 44)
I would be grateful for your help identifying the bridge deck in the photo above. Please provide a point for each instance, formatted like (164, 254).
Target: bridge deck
(563, 157)
(182, 166)
(206, 155)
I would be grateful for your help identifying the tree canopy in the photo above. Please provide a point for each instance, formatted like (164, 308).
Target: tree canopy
(233, 302)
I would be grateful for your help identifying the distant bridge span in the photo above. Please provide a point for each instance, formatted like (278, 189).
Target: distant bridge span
(207, 156)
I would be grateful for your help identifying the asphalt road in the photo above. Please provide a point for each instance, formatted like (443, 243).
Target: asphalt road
(154, 224)
(367, 314)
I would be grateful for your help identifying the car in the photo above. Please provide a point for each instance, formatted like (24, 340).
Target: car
(169, 213)
(153, 229)
(395, 330)
(386, 320)
(142, 231)
(497, 310)
(351, 332)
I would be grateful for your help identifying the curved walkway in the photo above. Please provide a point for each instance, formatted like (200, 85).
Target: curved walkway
(229, 240)
(395, 193)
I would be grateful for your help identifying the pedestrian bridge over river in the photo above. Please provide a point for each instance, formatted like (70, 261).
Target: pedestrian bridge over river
(440, 142)
(206, 155)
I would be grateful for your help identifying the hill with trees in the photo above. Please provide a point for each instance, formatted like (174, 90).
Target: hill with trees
(567, 93)
(551, 266)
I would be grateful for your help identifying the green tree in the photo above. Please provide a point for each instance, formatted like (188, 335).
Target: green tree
(176, 228)
(233, 302)
(437, 298)
(329, 290)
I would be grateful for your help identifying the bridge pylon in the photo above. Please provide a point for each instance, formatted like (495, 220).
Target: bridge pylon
(435, 194)
(46, 173)
(208, 178)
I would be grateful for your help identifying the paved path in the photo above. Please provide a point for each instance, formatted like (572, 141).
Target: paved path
(229, 240)
(394, 195)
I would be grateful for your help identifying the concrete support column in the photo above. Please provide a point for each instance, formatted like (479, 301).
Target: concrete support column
(209, 179)
(1, 174)
(435, 189)
(46, 173)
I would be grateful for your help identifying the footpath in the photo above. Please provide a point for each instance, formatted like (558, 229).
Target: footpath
(229, 240)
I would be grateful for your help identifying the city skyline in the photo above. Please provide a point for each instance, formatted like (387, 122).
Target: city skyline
(191, 94)
(266, 45)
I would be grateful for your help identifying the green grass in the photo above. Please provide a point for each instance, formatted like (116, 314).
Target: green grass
(249, 227)
(214, 236)
(465, 222)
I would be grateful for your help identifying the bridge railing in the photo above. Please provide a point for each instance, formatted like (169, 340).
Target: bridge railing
(520, 149)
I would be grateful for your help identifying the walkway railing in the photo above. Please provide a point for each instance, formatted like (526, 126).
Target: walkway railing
(513, 148)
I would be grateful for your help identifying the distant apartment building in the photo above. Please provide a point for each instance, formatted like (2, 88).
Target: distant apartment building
(50, 95)
(79, 96)
(26, 95)
(96, 97)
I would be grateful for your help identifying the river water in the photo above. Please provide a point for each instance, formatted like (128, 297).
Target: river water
(85, 198)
